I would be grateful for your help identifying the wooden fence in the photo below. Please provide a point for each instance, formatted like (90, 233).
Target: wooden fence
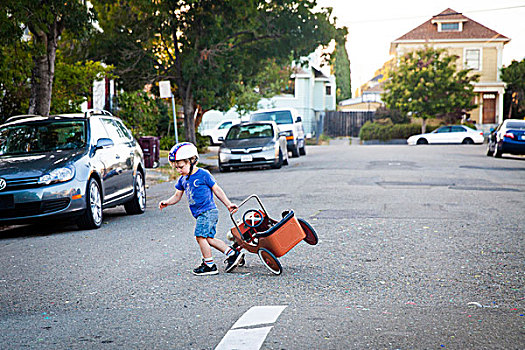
(338, 123)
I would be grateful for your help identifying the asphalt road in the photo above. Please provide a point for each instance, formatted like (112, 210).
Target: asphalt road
(420, 248)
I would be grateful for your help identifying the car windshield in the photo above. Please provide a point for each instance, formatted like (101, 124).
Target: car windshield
(280, 117)
(516, 125)
(238, 132)
(39, 137)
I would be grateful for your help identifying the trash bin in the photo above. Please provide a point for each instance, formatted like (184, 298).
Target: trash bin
(151, 148)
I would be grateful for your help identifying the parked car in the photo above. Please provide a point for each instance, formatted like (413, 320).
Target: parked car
(70, 165)
(218, 131)
(289, 122)
(448, 134)
(509, 137)
(253, 144)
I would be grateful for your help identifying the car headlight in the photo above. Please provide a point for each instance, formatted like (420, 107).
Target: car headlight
(268, 147)
(57, 175)
(225, 150)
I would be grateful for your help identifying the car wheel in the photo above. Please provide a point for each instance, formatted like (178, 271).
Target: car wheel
(302, 150)
(422, 141)
(489, 151)
(137, 205)
(223, 169)
(92, 217)
(497, 152)
(295, 152)
(467, 141)
(279, 161)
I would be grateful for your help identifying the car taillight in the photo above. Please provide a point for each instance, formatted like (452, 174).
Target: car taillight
(481, 133)
(509, 135)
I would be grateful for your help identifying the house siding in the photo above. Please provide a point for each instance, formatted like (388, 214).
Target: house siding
(490, 65)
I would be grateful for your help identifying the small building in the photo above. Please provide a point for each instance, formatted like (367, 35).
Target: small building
(478, 48)
(313, 92)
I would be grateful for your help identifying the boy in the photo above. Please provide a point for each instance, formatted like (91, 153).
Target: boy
(200, 186)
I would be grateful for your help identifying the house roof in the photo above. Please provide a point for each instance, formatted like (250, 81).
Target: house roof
(428, 31)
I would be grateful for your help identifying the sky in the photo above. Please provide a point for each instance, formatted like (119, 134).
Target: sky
(373, 25)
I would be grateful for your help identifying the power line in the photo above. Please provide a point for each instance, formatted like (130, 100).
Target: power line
(423, 16)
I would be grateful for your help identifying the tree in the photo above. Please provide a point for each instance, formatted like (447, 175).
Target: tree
(426, 84)
(342, 71)
(45, 21)
(213, 50)
(74, 82)
(15, 71)
(514, 76)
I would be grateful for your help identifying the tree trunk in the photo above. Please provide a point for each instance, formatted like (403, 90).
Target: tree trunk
(424, 125)
(43, 72)
(189, 118)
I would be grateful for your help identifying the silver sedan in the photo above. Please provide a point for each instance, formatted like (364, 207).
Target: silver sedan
(253, 144)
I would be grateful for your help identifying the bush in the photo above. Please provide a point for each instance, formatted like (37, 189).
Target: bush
(167, 142)
(385, 132)
(395, 117)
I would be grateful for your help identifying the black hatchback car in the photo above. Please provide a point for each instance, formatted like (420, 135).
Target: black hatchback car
(71, 165)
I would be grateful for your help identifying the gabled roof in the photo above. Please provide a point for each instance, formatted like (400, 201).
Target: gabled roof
(428, 31)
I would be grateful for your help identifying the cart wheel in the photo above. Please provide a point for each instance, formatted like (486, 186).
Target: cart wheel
(270, 261)
(311, 236)
(254, 216)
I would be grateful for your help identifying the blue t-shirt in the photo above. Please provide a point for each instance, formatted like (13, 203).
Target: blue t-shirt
(198, 190)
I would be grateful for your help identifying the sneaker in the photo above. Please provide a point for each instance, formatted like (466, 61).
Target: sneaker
(233, 260)
(204, 269)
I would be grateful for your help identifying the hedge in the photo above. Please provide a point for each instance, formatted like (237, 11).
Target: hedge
(376, 131)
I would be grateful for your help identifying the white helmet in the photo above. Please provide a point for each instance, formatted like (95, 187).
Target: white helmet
(183, 150)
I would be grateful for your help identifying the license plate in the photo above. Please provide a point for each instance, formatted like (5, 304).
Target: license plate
(7, 202)
(246, 158)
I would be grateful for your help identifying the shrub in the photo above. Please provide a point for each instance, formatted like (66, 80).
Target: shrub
(395, 116)
(384, 132)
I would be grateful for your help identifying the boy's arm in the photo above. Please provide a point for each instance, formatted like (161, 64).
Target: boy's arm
(172, 200)
(217, 190)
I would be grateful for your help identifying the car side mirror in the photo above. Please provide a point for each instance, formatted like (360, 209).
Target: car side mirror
(104, 143)
(221, 138)
(298, 120)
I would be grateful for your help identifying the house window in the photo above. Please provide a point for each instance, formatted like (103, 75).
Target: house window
(472, 59)
(328, 90)
(450, 27)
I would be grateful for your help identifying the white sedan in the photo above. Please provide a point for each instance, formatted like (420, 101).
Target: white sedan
(220, 130)
(448, 134)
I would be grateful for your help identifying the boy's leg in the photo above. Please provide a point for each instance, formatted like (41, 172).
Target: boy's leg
(233, 257)
(204, 247)
(202, 229)
(218, 244)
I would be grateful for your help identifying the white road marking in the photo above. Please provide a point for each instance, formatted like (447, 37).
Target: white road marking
(241, 338)
(244, 339)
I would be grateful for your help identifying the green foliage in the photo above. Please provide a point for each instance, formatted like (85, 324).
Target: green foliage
(394, 116)
(73, 83)
(388, 131)
(15, 71)
(46, 21)
(426, 84)
(272, 80)
(212, 51)
(139, 111)
(514, 76)
(342, 72)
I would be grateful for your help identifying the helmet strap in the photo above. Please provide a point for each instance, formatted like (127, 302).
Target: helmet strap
(192, 164)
